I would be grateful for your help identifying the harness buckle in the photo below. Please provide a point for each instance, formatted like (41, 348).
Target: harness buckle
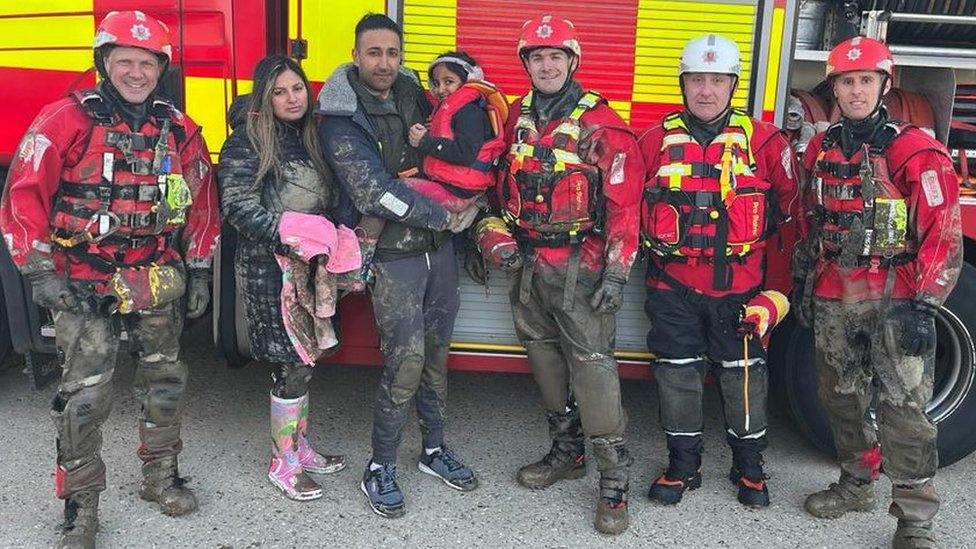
(106, 222)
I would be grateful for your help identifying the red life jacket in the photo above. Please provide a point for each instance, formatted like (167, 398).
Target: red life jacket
(862, 215)
(116, 193)
(478, 176)
(550, 195)
(706, 202)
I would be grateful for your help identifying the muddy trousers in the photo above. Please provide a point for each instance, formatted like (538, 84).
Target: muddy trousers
(290, 381)
(858, 347)
(690, 334)
(87, 345)
(415, 301)
(570, 351)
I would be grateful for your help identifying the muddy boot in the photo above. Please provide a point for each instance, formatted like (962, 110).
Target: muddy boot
(286, 471)
(161, 483)
(565, 460)
(80, 521)
(312, 461)
(847, 494)
(914, 534)
(683, 472)
(613, 461)
(747, 474)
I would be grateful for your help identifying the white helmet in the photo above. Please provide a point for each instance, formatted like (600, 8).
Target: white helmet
(710, 53)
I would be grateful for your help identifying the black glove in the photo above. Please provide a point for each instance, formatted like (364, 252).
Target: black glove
(51, 291)
(609, 295)
(198, 293)
(801, 306)
(918, 329)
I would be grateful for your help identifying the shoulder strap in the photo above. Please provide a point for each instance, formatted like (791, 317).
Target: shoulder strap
(94, 105)
(589, 100)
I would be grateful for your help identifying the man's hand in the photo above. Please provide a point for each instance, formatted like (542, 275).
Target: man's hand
(51, 291)
(415, 134)
(198, 293)
(918, 329)
(609, 295)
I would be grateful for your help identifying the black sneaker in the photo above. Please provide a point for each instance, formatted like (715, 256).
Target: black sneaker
(447, 466)
(381, 490)
(752, 493)
(669, 488)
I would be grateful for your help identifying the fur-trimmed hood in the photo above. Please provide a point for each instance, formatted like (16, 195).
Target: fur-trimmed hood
(338, 98)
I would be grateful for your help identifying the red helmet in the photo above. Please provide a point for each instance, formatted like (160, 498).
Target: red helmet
(134, 29)
(547, 31)
(860, 54)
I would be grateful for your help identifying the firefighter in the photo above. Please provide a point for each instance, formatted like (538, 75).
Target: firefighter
(369, 106)
(719, 185)
(886, 249)
(570, 196)
(110, 212)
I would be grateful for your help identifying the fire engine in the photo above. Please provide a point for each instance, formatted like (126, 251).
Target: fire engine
(631, 49)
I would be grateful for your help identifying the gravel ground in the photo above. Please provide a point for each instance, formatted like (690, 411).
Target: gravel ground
(496, 423)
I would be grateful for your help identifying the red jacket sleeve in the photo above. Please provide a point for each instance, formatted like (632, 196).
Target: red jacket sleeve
(613, 148)
(934, 212)
(33, 180)
(777, 165)
(203, 221)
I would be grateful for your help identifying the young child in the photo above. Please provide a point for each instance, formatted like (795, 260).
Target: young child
(461, 143)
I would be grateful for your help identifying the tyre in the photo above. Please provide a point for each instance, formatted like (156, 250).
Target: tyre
(953, 405)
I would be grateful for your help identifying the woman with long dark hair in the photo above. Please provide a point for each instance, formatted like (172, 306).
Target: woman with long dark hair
(270, 165)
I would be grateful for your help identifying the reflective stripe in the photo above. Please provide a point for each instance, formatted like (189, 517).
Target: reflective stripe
(523, 150)
(738, 363)
(682, 433)
(760, 434)
(679, 360)
(676, 139)
(587, 102)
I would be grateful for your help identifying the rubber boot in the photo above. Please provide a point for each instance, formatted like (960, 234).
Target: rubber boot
(80, 521)
(914, 534)
(566, 458)
(683, 472)
(286, 471)
(613, 461)
(847, 494)
(161, 482)
(747, 473)
(312, 461)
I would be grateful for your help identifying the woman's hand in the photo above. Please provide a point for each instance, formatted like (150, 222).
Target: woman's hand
(417, 132)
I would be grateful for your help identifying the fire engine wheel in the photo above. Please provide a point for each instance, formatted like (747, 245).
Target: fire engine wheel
(953, 403)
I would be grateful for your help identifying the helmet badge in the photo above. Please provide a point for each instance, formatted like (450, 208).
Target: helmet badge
(140, 32)
(854, 54)
(544, 31)
(710, 56)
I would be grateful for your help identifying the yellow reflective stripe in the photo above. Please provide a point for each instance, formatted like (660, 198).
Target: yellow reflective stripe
(735, 137)
(587, 102)
(725, 178)
(674, 172)
(675, 139)
(523, 150)
(743, 121)
(674, 121)
(571, 129)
